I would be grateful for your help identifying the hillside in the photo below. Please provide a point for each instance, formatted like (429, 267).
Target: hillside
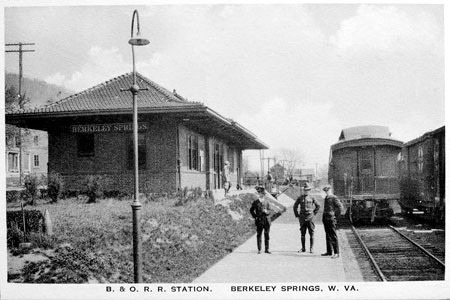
(40, 92)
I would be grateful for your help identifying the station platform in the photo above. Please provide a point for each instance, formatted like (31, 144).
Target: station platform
(286, 264)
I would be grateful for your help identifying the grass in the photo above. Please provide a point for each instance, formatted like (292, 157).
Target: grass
(93, 242)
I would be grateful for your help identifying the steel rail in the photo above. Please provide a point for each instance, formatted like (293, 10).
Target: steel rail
(372, 260)
(420, 247)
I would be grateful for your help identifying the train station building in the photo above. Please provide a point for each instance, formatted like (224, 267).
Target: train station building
(180, 143)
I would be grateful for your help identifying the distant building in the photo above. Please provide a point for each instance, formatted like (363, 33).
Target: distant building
(180, 143)
(32, 159)
(304, 175)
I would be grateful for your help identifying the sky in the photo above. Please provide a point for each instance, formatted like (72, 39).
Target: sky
(293, 74)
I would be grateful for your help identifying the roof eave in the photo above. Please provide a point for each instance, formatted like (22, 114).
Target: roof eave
(20, 118)
(366, 142)
(122, 111)
(236, 126)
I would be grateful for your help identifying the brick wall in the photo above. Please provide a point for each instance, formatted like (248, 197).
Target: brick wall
(191, 178)
(110, 159)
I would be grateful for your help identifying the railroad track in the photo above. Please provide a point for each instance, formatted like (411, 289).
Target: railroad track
(395, 257)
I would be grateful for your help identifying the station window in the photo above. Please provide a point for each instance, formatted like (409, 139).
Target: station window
(142, 152)
(86, 145)
(193, 152)
(36, 140)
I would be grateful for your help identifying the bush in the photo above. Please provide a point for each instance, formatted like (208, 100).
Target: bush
(41, 240)
(34, 220)
(92, 187)
(14, 236)
(178, 243)
(116, 194)
(13, 196)
(186, 195)
(70, 194)
(68, 265)
(55, 186)
(31, 186)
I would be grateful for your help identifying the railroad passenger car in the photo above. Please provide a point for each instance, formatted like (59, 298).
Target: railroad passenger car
(422, 175)
(363, 172)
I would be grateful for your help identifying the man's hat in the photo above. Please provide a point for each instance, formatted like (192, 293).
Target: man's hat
(260, 189)
(326, 188)
(227, 162)
(306, 187)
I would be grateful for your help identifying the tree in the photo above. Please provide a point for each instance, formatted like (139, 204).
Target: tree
(11, 104)
(14, 102)
(10, 98)
(278, 171)
(289, 159)
(15, 135)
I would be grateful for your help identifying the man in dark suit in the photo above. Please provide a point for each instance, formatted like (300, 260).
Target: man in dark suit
(308, 209)
(332, 208)
(261, 212)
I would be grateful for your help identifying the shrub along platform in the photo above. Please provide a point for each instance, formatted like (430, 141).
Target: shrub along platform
(179, 242)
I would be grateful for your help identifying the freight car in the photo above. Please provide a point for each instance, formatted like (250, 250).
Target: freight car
(363, 172)
(422, 176)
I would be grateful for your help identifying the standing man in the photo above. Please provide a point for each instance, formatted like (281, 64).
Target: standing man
(260, 211)
(331, 207)
(226, 177)
(308, 209)
(270, 181)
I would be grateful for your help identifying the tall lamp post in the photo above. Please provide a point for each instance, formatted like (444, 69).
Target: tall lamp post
(136, 205)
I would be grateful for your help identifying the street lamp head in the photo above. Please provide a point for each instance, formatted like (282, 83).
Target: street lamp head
(138, 41)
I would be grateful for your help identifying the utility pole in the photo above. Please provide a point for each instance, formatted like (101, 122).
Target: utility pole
(21, 100)
(316, 170)
(261, 161)
(20, 51)
(268, 161)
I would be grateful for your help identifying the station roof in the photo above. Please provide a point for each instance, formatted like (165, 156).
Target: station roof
(108, 99)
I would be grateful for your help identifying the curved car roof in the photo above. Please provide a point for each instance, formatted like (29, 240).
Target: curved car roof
(368, 135)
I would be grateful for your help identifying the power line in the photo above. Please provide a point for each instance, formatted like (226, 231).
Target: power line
(21, 99)
(268, 161)
(68, 56)
(20, 51)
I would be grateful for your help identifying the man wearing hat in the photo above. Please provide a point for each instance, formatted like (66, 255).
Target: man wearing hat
(331, 207)
(260, 211)
(308, 209)
(226, 177)
(269, 181)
